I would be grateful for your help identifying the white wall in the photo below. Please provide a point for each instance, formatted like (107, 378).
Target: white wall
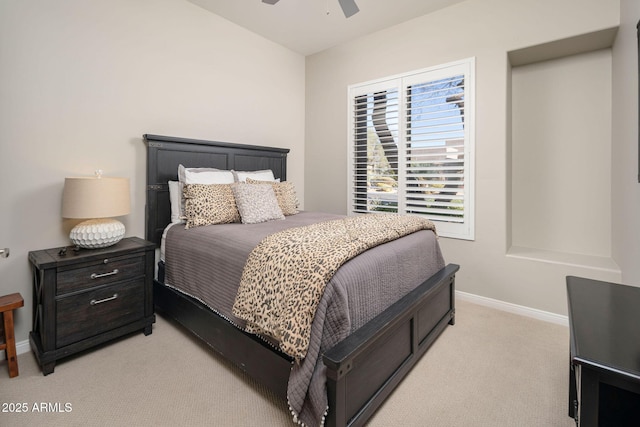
(82, 81)
(561, 154)
(487, 30)
(626, 189)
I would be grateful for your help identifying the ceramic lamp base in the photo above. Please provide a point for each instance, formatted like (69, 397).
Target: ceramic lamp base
(97, 233)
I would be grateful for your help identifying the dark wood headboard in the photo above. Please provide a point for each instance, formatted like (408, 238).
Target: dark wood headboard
(165, 153)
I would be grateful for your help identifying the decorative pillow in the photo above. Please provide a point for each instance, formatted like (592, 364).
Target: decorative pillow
(175, 199)
(201, 176)
(285, 194)
(209, 204)
(256, 203)
(263, 175)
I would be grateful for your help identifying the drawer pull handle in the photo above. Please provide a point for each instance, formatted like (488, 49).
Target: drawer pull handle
(111, 273)
(100, 301)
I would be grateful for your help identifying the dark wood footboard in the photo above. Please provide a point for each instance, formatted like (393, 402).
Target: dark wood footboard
(364, 368)
(260, 360)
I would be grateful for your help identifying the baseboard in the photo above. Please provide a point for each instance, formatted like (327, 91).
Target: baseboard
(514, 308)
(23, 347)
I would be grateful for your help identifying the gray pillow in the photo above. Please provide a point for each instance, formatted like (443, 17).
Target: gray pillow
(256, 203)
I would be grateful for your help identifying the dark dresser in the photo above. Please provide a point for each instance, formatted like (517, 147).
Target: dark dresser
(82, 298)
(604, 322)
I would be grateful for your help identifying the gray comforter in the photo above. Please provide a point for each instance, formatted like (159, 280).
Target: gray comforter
(207, 263)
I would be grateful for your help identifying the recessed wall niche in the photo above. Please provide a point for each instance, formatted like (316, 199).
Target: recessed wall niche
(559, 157)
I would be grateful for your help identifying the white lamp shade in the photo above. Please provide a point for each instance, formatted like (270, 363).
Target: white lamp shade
(95, 197)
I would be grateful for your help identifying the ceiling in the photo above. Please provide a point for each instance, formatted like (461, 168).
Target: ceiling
(310, 26)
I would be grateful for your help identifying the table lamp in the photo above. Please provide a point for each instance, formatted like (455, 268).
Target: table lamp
(97, 199)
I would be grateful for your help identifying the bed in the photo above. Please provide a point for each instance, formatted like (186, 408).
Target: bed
(360, 370)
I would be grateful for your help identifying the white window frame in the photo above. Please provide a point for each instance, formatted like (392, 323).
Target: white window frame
(459, 230)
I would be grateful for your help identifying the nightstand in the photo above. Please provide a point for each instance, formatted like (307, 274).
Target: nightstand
(82, 298)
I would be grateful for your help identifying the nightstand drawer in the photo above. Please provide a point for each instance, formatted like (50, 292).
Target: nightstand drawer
(86, 314)
(107, 270)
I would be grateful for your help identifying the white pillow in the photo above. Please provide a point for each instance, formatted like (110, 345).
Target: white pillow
(182, 169)
(208, 177)
(175, 199)
(204, 176)
(263, 175)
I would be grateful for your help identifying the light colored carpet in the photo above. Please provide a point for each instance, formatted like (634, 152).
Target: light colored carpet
(491, 369)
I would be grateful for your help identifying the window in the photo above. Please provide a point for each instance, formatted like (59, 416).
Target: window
(411, 146)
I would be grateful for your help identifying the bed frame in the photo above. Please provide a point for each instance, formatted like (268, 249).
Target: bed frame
(364, 368)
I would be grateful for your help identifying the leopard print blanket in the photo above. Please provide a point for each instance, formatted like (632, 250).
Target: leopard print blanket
(286, 274)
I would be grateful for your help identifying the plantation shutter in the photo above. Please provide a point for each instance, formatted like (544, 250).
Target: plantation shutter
(435, 147)
(411, 147)
(375, 168)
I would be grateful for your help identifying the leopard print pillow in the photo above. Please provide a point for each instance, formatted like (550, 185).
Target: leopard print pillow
(207, 204)
(256, 203)
(285, 193)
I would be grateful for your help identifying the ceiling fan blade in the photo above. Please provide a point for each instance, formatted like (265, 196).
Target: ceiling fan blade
(270, 1)
(349, 7)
